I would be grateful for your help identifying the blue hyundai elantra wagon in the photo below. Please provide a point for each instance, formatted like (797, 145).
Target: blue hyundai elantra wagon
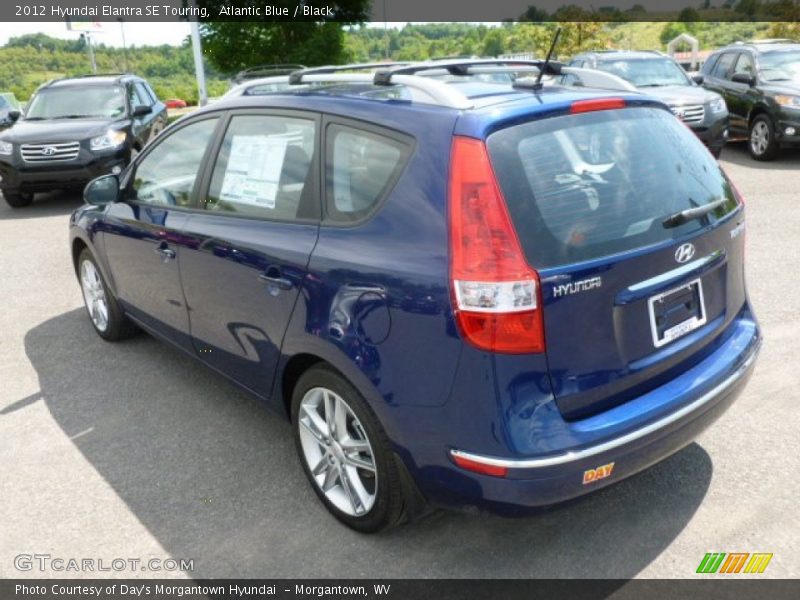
(463, 294)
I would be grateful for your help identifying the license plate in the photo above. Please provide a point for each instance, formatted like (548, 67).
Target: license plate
(676, 312)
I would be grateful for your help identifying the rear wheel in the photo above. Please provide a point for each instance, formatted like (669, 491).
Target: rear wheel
(18, 200)
(345, 453)
(762, 142)
(106, 316)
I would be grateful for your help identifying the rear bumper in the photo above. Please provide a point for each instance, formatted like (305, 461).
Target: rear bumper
(632, 437)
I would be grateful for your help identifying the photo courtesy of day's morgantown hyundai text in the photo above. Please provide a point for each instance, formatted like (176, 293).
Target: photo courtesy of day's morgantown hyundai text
(463, 291)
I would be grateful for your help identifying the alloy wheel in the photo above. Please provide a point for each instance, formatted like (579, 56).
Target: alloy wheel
(337, 451)
(759, 138)
(94, 295)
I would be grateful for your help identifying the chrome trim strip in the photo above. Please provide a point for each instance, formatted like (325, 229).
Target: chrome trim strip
(537, 463)
(675, 274)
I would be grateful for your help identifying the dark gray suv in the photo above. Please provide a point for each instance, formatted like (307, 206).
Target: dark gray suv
(74, 130)
(656, 74)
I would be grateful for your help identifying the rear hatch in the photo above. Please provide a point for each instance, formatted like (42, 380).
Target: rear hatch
(629, 296)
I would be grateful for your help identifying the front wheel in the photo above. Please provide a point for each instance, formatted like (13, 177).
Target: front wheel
(762, 142)
(106, 316)
(18, 200)
(345, 453)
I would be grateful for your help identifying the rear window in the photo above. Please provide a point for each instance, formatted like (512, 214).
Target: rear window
(580, 187)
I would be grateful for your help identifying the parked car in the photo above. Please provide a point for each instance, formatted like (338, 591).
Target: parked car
(9, 109)
(760, 81)
(659, 75)
(481, 297)
(175, 103)
(74, 130)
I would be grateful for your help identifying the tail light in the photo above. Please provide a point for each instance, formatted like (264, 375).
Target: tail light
(495, 291)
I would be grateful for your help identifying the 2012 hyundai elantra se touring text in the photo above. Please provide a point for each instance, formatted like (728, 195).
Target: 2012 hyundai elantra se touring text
(461, 293)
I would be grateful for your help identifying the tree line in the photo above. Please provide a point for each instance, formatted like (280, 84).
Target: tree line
(27, 61)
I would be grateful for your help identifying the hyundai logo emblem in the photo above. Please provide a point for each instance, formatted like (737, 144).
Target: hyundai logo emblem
(684, 253)
(48, 151)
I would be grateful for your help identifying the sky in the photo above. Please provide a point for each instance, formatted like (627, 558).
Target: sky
(138, 34)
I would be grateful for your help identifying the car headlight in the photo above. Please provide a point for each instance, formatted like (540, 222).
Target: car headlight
(6, 148)
(789, 101)
(112, 138)
(717, 105)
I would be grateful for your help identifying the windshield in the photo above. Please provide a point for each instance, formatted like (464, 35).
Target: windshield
(580, 187)
(647, 72)
(77, 102)
(780, 66)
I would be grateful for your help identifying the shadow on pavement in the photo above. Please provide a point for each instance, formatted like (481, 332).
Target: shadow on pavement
(788, 159)
(214, 477)
(50, 204)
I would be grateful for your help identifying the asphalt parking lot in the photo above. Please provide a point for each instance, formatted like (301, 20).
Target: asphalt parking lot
(133, 450)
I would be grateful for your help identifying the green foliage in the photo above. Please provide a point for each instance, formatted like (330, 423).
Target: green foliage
(28, 61)
(232, 45)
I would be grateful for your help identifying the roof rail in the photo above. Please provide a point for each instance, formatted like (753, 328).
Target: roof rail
(261, 71)
(88, 75)
(296, 77)
(418, 77)
(464, 67)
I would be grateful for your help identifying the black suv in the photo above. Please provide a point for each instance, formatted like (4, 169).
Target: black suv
(661, 76)
(760, 81)
(75, 130)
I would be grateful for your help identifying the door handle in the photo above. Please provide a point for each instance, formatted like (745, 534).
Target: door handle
(274, 277)
(165, 252)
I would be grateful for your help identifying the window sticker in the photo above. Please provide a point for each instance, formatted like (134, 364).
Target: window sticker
(254, 169)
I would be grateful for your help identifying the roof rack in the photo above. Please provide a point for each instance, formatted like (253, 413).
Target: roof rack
(463, 67)
(88, 75)
(764, 42)
(265, 71)
(297, 77)
(418, 77)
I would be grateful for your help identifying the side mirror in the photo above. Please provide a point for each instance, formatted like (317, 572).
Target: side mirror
(101, 191)
(142, 110)
(14, 114)
(698, 78)
(744, 78)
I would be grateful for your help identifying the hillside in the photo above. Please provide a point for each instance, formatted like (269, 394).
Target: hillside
(30, 60)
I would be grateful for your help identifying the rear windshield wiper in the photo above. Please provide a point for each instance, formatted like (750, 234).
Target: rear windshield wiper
(689, 214)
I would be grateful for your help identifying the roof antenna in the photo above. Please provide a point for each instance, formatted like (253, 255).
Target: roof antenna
(539, 85)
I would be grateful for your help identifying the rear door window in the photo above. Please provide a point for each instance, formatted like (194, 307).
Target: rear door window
(263, 169)
(361, 167)
(580, 187)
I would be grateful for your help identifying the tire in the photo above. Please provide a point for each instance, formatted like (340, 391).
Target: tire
(18, 200)
(104, 311)
(761, 141)
(368, 497)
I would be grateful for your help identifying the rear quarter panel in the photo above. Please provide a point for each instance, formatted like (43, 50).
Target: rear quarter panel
(376, 302)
